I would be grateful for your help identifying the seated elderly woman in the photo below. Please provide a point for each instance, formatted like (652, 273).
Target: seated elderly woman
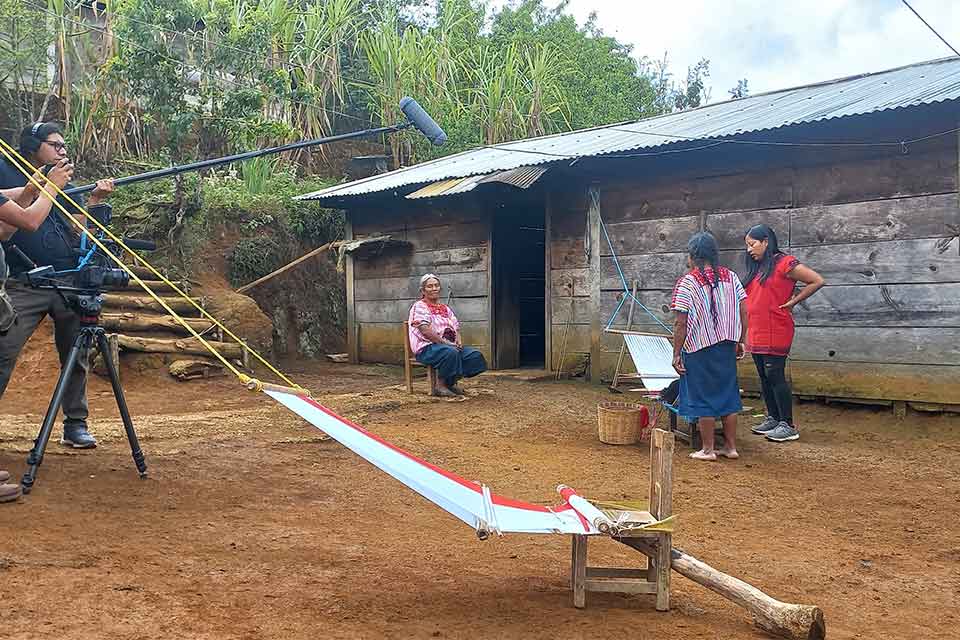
(435, 339)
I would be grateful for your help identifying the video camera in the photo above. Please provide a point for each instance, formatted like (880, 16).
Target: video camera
(94, 272)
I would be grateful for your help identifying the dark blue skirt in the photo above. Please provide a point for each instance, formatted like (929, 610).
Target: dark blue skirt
(710, 387)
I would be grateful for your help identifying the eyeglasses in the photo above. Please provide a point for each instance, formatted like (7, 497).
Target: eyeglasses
(58, 146)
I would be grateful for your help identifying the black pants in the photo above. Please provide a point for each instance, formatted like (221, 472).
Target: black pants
(32, 306)
(451, 363)
(776, 390)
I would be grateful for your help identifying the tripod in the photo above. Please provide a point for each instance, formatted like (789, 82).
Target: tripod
(87, 305)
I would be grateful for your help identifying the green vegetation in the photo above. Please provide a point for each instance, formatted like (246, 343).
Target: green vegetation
(178, 80)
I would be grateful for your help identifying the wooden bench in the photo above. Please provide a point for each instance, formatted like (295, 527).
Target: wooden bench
(409, 362)
(654, 579)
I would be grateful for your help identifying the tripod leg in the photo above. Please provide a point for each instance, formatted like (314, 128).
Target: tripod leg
(138, 458)
(40, 444)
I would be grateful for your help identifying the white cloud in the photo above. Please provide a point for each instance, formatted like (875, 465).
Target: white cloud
(777, 45)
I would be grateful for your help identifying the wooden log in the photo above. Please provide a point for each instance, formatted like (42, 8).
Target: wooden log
(130, 321)
(181, 345)
(781, 619)
(287, 267)
(198, 368)
(794, 621)
(145, 302)
(158, 286)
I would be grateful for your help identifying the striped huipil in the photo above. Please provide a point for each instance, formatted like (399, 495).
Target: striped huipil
(711, 317)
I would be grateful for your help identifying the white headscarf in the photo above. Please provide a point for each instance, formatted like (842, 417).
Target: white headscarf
(427, 276)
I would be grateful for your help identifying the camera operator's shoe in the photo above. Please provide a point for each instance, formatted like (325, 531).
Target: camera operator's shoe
(78, 437)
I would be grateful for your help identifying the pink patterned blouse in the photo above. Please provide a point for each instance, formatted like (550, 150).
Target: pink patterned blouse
(439, 316)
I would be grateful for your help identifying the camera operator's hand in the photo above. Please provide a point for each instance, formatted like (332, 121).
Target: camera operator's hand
(102, 191)
(40, 177)
(61, 173)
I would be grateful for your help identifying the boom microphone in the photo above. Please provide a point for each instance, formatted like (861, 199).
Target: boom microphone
(141, 245)
(422, 121)
(416, 117)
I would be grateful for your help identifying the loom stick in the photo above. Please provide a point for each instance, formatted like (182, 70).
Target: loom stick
(781, 619)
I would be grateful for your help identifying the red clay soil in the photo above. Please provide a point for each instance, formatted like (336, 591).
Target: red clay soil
(251, 526)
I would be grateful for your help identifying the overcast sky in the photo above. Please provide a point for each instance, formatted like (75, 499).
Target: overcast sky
(776, 45)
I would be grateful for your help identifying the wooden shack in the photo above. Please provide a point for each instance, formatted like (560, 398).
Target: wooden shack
(858, 177)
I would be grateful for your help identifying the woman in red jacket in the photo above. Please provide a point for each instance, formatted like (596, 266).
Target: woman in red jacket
(770, 282)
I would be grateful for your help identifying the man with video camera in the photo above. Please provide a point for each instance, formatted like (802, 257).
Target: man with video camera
(55, 242)
(24, 208)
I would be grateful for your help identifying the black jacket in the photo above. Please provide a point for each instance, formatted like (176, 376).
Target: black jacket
(54, 243)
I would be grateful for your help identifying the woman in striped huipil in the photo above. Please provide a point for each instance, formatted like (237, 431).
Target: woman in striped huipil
(709, 328)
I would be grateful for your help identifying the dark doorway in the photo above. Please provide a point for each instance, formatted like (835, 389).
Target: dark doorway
(518, 287)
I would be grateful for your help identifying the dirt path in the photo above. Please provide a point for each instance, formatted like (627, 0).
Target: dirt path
(251, 527)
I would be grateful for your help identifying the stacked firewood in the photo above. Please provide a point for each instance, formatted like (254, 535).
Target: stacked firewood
(136, 322)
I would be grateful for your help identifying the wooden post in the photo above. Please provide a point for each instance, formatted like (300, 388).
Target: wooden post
(492, 290)
(623, 345)
(548, 289)
(661, 507)
(578, 571)
(595, 275)
(353, 346)
(286, 267)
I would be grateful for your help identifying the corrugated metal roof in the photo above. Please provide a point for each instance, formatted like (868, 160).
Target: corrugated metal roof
(918, 84)
(521, 178)
(446, 187)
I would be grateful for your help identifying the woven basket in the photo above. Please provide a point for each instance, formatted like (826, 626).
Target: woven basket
(621, 422)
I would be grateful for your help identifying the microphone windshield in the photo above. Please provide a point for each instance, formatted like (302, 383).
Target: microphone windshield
(422, 121)
(143, 245)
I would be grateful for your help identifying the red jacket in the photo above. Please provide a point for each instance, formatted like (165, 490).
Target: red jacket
(770, 328)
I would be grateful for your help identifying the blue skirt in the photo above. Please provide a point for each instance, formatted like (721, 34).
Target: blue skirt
(710, 387)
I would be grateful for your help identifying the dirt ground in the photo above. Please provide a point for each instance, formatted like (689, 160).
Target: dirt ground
(251, 526)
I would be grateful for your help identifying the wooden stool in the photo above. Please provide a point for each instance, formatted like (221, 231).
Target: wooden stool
(655, 545)
(409, 362)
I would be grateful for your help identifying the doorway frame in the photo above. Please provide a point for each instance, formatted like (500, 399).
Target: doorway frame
(547, 293)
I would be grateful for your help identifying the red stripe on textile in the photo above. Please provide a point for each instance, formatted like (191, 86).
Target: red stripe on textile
(583, 521)
(565, 493)
(473, 486)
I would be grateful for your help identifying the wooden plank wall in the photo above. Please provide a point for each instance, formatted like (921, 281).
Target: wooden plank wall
(570, 287)
(882, 231)
(451, 242)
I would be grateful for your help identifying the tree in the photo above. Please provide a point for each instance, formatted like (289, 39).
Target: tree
(693, 93)
(739, 91)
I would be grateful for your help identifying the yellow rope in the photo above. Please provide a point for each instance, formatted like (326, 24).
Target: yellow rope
(10, 153)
